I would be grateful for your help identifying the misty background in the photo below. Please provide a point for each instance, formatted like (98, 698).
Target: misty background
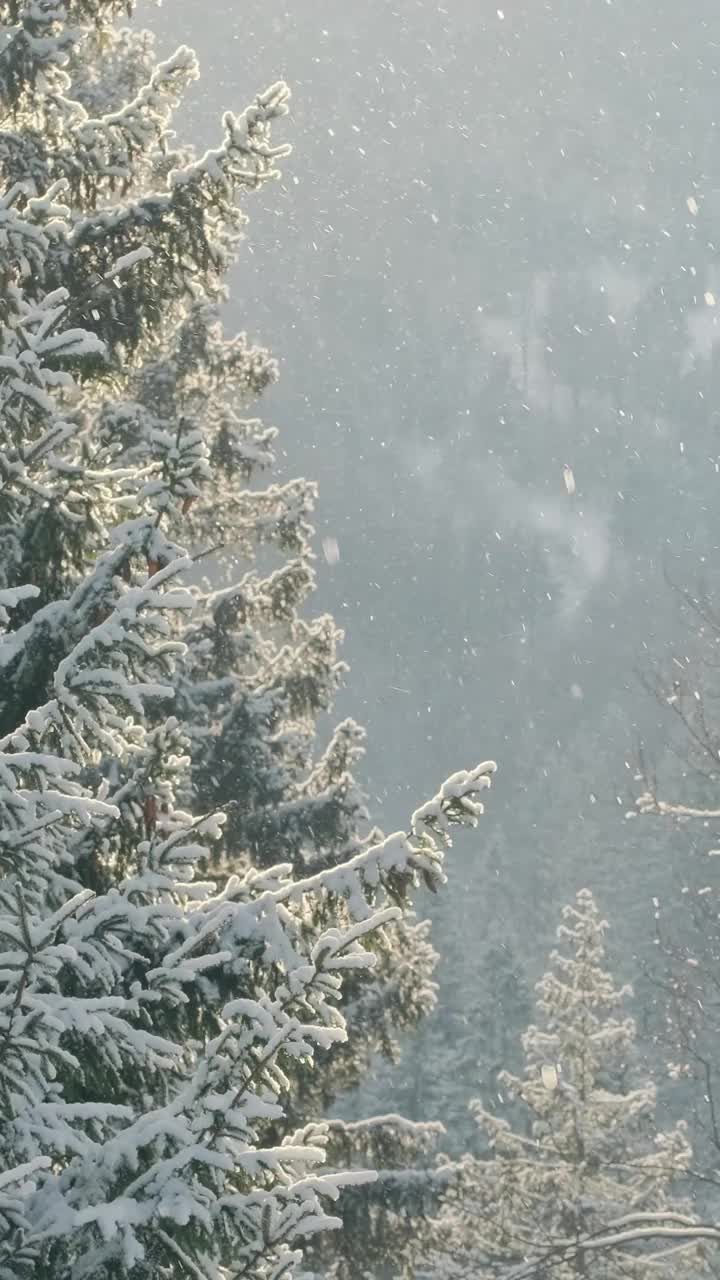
(492, 254)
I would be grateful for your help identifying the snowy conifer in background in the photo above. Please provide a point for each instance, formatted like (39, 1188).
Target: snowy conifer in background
(162, 989)
(389, 1225)
(482, 980)
(588, 1186)
(473, 1032)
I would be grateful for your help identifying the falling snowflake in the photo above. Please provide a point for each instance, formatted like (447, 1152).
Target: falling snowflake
(549, 1076)
(569, 479)
(331, 550)
(692, 205)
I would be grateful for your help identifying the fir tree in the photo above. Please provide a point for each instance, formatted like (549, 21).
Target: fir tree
(183, 884)
(588, 1187)
(257, 674)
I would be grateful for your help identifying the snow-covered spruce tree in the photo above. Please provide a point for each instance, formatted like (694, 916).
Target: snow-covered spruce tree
(257, 675)
(587, 1188)
(155, 1021)
(146, 1024)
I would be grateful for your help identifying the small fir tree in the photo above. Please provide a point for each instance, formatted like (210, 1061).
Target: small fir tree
(588, 1187)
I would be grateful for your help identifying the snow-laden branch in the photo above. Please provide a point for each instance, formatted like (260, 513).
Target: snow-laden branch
(567, 1250)
(647, 803)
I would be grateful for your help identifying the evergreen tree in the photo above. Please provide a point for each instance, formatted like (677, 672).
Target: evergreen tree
(183, 883)
(587, 1187)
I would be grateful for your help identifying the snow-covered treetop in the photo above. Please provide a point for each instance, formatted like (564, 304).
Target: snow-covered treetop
(578, 1000)
(582, 1183)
